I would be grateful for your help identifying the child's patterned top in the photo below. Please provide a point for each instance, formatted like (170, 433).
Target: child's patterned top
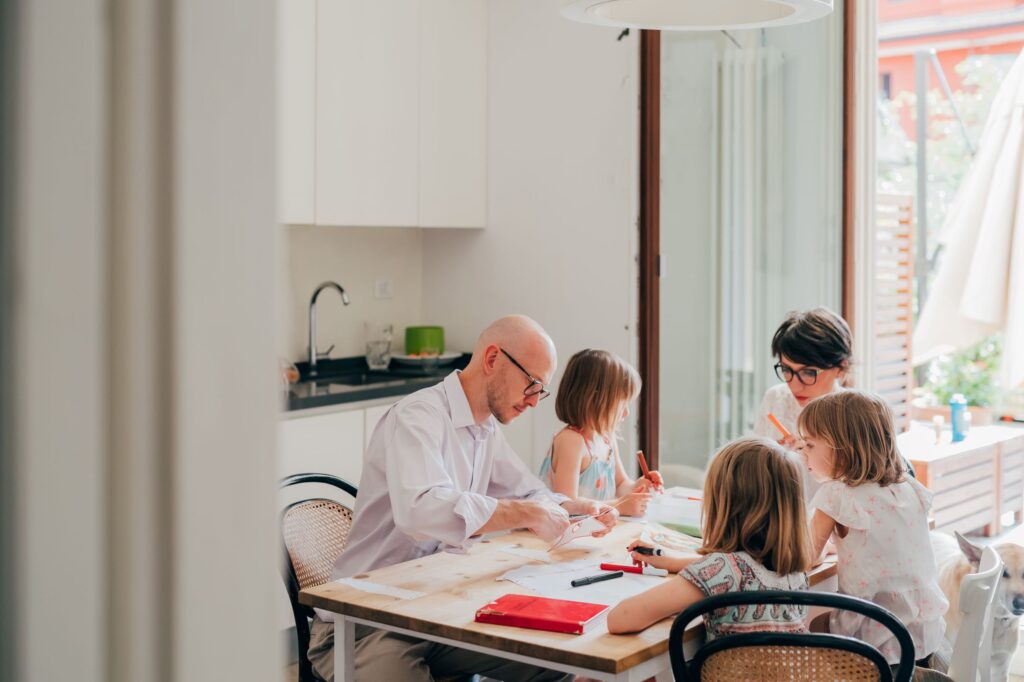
(718, 573)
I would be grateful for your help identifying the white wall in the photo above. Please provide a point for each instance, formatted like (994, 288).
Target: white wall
(355, 257)
(560, 242)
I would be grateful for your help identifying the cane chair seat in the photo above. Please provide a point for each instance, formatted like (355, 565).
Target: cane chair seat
(788, 663)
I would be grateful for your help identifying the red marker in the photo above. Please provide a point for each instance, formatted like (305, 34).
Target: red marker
(645, 570)
(644, 468)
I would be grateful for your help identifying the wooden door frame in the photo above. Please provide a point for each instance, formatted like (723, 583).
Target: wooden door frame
(650, 243)
(848, 282)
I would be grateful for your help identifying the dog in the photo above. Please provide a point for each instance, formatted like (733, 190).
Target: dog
(1009, 600)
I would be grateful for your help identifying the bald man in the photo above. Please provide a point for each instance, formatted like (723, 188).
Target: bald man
(436, 473)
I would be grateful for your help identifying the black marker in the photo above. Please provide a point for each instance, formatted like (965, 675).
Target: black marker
(649, 551)
(580, 582)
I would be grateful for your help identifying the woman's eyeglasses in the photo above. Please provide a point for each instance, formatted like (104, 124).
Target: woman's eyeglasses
(535, 387)
(806, 376)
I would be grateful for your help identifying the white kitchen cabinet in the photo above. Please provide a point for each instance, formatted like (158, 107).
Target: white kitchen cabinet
(367, 112)
(296, 99)
(382, 113)
(325, 443)
(453, 114)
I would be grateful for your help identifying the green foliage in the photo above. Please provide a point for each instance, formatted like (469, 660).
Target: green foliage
(971, 372)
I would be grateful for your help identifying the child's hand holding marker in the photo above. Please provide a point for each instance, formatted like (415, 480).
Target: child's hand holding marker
(648, 475)
(643, 552)
(788, 440)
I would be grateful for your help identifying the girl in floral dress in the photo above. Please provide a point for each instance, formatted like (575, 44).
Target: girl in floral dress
(877, 517)
(593, 399)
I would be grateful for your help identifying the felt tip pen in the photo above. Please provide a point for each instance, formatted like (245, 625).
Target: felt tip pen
(778, 425)
(580, 582)
(645, 570)
(649, 551)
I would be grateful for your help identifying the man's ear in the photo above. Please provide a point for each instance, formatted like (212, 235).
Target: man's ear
(970, 550)
(491, 353)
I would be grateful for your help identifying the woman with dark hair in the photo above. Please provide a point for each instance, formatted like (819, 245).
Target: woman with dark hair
(812, 351)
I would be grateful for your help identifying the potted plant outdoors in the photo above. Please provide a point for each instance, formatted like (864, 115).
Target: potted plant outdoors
(971, 373)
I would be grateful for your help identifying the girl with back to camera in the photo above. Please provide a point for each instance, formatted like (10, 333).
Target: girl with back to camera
(754, 538)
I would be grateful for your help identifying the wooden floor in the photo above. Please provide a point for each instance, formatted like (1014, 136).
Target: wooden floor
(291, 673)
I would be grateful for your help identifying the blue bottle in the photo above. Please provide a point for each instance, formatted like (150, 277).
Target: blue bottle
(958, 416)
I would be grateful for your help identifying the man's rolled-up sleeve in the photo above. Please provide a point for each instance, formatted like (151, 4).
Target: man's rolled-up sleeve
(424, 499)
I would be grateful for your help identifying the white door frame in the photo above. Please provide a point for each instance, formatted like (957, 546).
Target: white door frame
(143, 399)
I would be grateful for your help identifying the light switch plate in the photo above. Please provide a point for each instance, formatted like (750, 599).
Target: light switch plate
(383, 288)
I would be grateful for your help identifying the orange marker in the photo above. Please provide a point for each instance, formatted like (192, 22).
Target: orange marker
(779, 426)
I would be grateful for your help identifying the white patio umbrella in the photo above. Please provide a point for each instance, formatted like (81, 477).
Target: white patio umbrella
(979, 287)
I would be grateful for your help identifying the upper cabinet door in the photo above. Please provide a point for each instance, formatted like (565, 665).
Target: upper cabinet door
(453, 113)
(367, 112)
(296, 97)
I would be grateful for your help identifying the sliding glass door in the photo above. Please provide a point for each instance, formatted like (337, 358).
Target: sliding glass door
(750, 218)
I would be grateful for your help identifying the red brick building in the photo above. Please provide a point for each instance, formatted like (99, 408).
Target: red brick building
(955, 29)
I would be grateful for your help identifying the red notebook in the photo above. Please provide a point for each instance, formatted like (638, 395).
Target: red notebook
(541, 613)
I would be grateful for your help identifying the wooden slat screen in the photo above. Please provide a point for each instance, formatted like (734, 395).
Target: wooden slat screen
(893, 304)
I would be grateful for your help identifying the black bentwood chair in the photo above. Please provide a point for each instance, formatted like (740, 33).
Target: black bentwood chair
(314, 532)
(786, 656)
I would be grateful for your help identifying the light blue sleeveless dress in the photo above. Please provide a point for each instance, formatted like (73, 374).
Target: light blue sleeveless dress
(597, 481)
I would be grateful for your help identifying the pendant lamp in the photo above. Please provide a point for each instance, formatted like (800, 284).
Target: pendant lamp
(695, 15)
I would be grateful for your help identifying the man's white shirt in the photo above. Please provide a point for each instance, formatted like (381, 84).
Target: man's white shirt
(431, 478)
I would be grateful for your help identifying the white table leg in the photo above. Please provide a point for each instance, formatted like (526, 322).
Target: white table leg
(344, 649)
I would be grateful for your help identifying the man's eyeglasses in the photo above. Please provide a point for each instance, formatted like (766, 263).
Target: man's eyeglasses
(806, 376)
(535, 387)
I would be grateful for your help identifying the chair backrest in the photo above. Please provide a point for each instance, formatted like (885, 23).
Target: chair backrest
(314, 532)
(977, 592)
(786, 655)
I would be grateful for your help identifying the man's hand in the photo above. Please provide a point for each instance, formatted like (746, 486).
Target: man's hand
(604, 513)
(547, 520)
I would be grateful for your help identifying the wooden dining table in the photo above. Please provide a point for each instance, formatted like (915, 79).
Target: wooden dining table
(448, 588)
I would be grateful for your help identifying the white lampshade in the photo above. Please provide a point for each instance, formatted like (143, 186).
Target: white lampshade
(695, 15)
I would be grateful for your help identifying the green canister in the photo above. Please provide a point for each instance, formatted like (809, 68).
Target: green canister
(420, 339)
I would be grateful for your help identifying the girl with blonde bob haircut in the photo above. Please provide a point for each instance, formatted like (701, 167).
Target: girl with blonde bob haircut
(877, 516)
(593, 399)
(755, 538)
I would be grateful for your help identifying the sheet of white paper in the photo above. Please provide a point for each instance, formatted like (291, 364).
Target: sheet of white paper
(377, 588)
(582, 528)
(535, 554)
(553, 580)
(657, 534)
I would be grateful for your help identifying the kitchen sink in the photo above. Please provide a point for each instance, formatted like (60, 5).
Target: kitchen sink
(361, 379)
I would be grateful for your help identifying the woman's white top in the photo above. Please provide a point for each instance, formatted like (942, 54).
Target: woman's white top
(779, 401)
(886, 558)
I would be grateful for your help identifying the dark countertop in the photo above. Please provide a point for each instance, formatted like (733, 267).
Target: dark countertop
(349, 380)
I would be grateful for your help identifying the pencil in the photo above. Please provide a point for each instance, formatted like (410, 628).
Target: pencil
(779, 426)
